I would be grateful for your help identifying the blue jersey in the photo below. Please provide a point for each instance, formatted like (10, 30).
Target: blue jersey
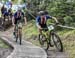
(38, 19)
(16, 15)
(6, 13)
(3, 10)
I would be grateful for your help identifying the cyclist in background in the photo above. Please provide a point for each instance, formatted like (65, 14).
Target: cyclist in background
(3, 9)
(18, 15)
(10, 12)
(42, 19)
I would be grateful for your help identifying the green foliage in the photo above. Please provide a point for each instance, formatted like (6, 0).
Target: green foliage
(30, 29)
(68, 20)
(64, 10)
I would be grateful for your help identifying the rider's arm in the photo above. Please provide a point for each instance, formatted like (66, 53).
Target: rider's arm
(37, 22)
(50, 17)
(25, 19)
(13, 19)
(55, 19)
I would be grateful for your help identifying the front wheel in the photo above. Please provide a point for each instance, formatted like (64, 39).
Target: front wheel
(57, 42)
(43, 41)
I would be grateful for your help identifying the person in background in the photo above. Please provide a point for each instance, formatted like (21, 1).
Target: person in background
(3, 9)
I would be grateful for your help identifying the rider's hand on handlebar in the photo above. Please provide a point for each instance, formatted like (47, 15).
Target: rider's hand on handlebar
(39, 27)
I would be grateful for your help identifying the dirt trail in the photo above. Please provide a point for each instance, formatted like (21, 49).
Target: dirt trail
(52, 53)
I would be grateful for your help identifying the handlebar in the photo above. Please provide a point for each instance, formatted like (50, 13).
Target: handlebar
(53, 24)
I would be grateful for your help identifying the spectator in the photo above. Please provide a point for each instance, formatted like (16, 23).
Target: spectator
(3, 9)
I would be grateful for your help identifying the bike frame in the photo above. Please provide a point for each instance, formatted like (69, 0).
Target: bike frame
(47, 33)
(17, 28)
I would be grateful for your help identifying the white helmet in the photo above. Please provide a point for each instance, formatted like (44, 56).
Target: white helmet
(19, 9)
(41, 12)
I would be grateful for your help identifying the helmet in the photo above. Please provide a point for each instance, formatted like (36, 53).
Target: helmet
(19, 9)
(41, 13)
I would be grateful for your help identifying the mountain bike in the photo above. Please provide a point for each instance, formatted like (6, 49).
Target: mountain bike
(18, 31)
(50, 38)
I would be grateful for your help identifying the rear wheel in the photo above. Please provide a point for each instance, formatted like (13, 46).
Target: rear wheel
(57, 42)
(43, 41)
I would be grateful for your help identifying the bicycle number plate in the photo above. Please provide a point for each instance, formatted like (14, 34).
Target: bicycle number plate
(50, 27)
(20, 25)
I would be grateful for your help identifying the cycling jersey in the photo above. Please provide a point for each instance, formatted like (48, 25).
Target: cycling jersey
(18, 16)
(6, 13)
(40, 20)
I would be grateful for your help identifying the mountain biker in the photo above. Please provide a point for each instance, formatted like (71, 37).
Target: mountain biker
(42, 19)
(3, 9)
(5, 14)
(18, 15)
(10, 13)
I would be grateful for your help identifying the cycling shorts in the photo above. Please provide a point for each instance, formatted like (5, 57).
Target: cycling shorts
(44, 26)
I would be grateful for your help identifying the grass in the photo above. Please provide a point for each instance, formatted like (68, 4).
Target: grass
(30, 31)
(67, 37)
(3, 45)
(68, 41)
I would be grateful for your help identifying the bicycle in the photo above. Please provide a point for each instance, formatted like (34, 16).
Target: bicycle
(18, 31)
(48, 37)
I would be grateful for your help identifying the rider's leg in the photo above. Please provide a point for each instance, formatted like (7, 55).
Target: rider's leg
(15, 24)
(40, 31)
(15, 32)
(14, 29)
(20, 34)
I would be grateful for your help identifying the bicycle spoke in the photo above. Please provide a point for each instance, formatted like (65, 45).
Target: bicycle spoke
(57, 42)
